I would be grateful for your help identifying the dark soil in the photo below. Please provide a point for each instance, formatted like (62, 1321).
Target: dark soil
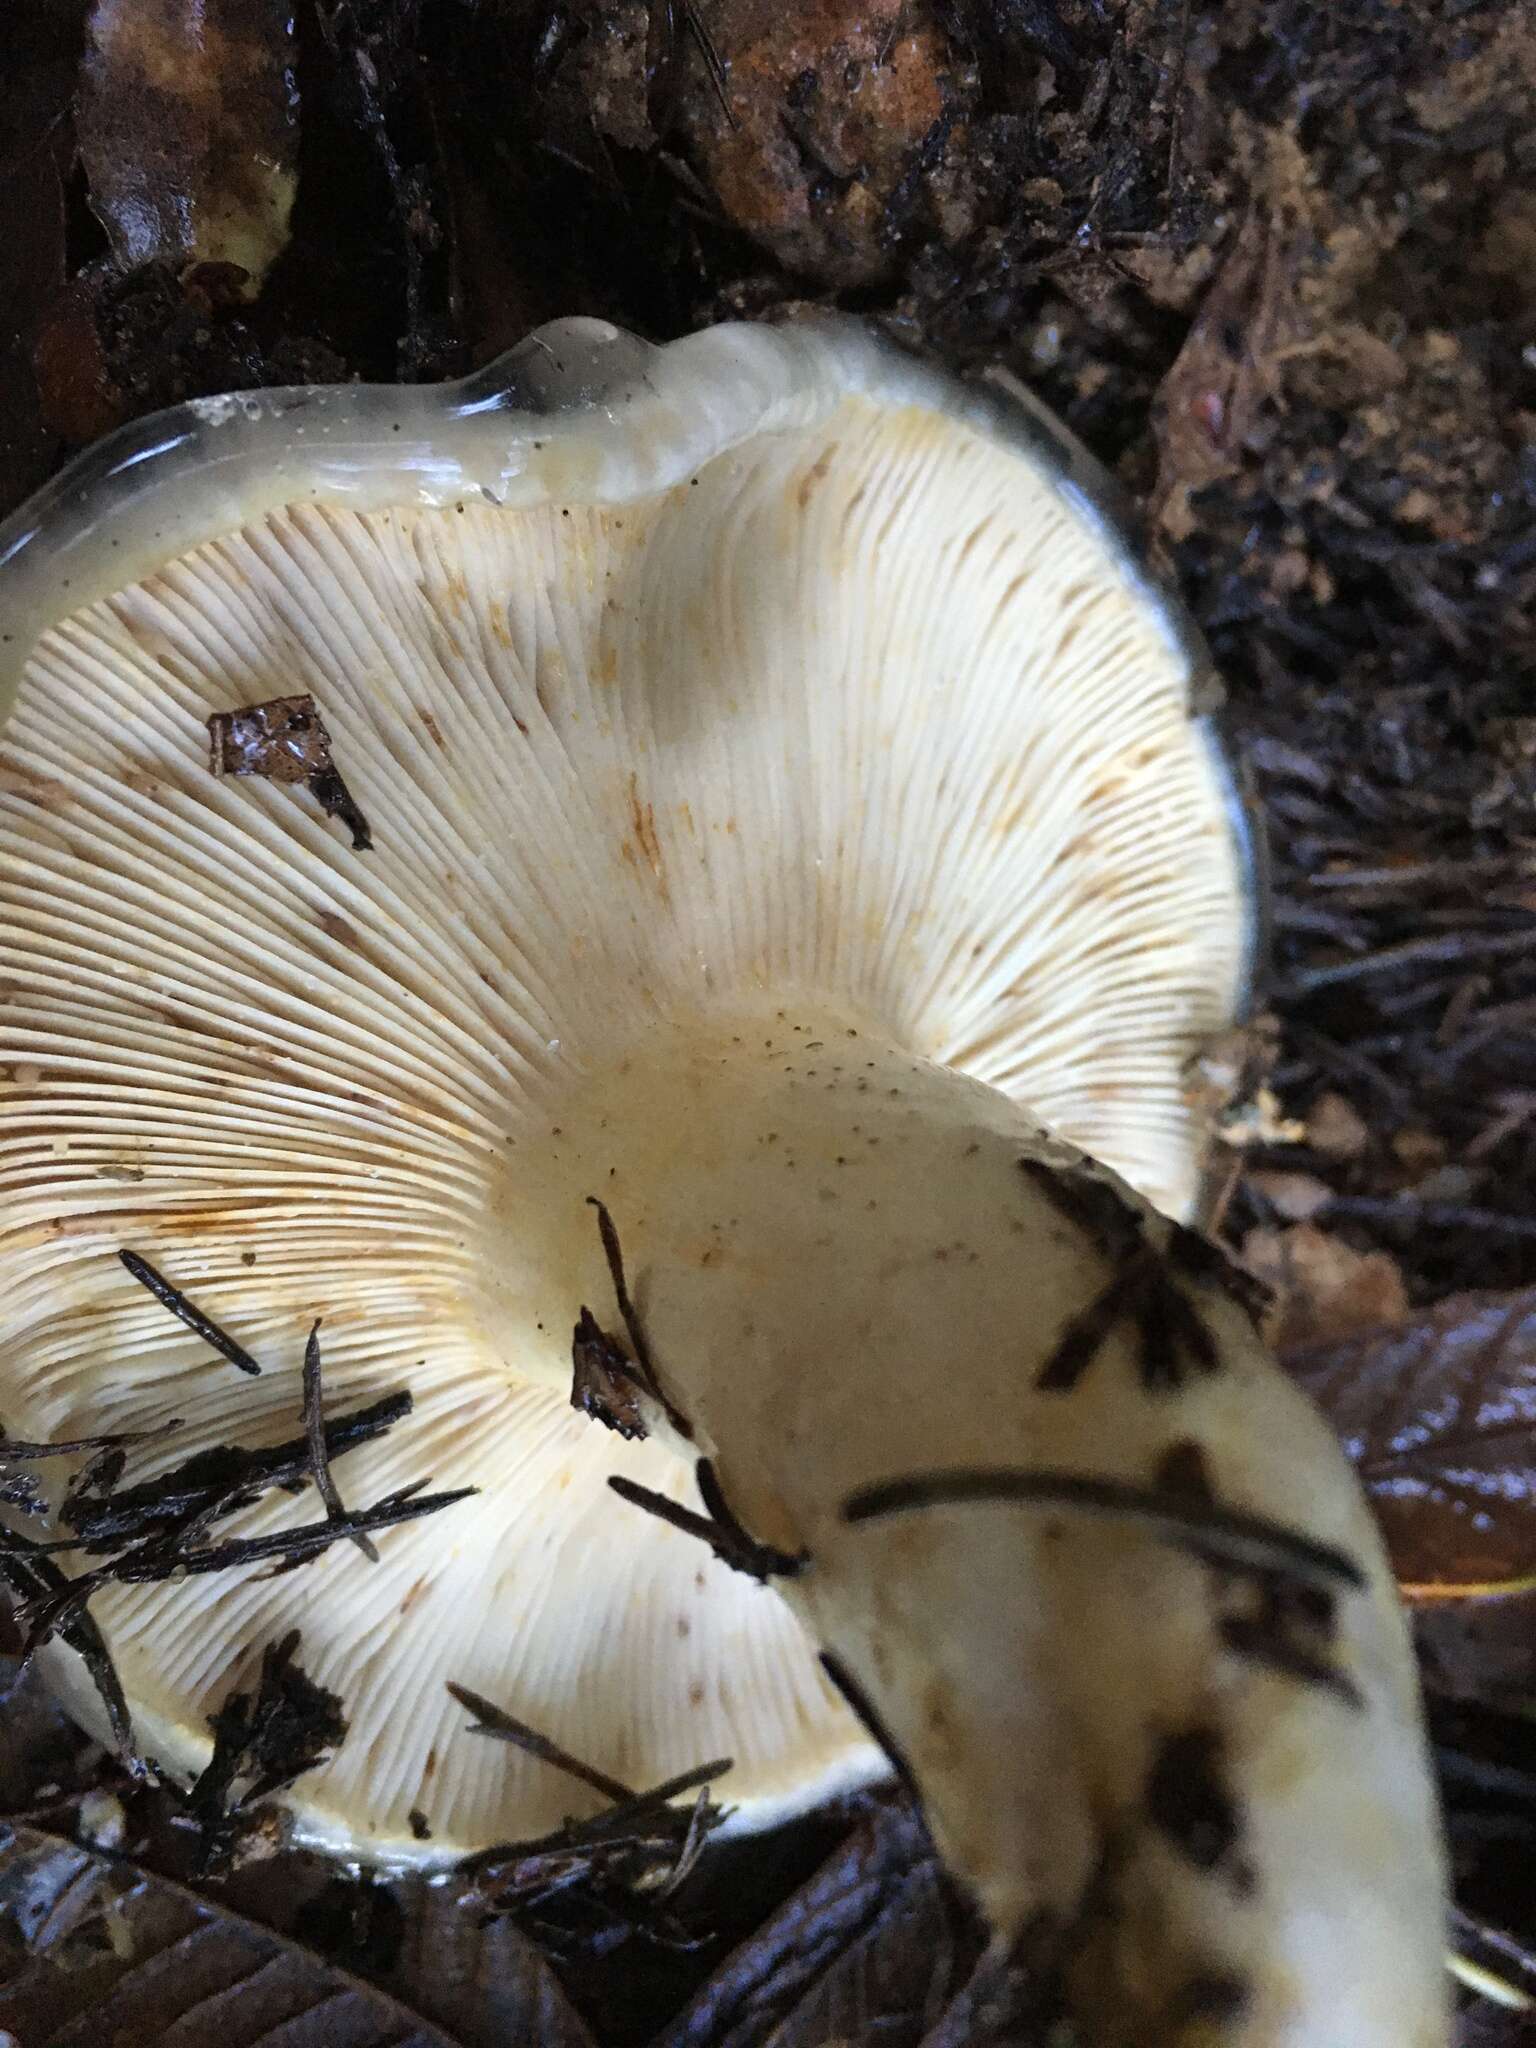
(1274, 261)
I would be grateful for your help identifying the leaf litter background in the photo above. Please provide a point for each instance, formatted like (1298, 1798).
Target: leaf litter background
(1275, 261)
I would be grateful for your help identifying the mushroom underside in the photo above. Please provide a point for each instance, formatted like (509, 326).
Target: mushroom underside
(853, 728)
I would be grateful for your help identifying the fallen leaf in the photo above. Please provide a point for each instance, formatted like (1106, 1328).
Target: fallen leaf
(1324, 1289)
(483, 1983)
(867, 1950)
(1480, 1649)
(1439, 1416)
(93, 1944)
(188, 123)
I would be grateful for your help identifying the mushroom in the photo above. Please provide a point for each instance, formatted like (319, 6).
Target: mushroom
(798, 829)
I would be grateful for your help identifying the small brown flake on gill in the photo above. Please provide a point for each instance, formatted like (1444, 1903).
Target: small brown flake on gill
(1171, 1333)
(604, 1358)
(722, 1532)
(285, 740)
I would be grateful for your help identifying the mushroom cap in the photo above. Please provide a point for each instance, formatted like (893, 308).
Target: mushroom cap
(677, 684)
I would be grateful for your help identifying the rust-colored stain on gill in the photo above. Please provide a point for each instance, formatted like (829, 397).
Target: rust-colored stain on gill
(27, 787)
(340, 930)
(642, 825)
(815, 475)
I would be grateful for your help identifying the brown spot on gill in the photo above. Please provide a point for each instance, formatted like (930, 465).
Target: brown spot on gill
(855, 500)
(433, 731)
(973, 540)
(28, 788)
(339, 929)
(413, 1595)
(642, 819)
(815, 475)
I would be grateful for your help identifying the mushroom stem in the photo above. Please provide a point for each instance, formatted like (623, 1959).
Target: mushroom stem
(1147, 1668)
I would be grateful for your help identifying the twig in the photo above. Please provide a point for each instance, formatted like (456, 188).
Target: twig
(189, 1313)
(727, 1539)
(1410, 953)
(633, 1327)
(153, 1562)
(1450, 1215)
(504, 1727)
(319, 1460)
(1251, 1542)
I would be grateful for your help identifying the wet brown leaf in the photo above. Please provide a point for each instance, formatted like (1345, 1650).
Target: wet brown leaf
(1480, 1650)
(870, 1949)
(1439, 1415)
(188, 120)
(483, 1984)
(95, 1944)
